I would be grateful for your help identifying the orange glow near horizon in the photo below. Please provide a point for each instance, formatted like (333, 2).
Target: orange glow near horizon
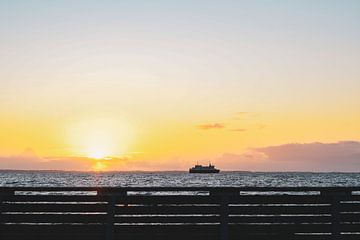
(99, 166)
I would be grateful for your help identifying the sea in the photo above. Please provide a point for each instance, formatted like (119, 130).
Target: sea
(176, 179)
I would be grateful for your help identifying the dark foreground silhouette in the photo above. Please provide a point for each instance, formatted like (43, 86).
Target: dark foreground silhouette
(179, 213)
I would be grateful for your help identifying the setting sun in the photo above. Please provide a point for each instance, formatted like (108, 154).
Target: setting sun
(97, 154)
(99, 138)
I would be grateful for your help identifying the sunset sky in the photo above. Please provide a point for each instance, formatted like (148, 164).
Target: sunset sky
(160, 85)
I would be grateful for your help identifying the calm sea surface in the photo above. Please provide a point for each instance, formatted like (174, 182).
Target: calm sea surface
(176, 179)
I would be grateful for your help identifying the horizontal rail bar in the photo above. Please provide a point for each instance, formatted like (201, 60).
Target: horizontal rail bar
(171, 189)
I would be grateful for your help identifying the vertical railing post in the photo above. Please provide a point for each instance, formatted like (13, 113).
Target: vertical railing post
(224, 217)
(335, 213)
(224, 211)
(111, 207)
(336, 197)
(110, 217)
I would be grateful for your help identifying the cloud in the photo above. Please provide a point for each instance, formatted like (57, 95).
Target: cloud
(238, 130)
(325, 157)
(211, 126)
(340, 153)
(28, 160)
(242, 113)
(24, 163)
(339, 156)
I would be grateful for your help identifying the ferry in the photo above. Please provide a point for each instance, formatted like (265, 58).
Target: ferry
(204, 169)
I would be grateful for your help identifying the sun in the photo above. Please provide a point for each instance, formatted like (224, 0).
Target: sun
(97, 154)
(100, 138)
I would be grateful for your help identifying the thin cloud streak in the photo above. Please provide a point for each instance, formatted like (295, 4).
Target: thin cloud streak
(238, 130)
(211, 126)
(242, 113)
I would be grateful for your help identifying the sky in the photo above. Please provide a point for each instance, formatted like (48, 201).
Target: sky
(161, 85)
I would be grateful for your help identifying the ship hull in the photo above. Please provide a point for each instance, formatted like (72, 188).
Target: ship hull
(204, 171)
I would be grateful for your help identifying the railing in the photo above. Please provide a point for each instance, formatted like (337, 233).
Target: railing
(178, 213)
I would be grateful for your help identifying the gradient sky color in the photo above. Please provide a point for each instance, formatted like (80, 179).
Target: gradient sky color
(160, 85)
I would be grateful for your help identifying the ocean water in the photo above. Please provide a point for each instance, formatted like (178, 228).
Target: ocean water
(176, 179)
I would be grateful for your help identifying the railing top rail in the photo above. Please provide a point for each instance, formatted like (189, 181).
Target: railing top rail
(177, 189)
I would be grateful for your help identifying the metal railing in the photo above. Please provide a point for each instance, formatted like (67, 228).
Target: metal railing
(189, 212)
